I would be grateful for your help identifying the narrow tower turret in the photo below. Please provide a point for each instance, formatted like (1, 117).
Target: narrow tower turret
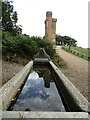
(50, 27)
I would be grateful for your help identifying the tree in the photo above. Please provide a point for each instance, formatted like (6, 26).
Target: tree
(7, 9)
(66, 40)
(59, 39)
(9, 18)
(14, 17)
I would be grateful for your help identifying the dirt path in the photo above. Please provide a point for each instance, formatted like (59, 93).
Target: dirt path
(77, 71)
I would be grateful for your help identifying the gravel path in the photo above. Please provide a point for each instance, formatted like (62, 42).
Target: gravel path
(77, 71)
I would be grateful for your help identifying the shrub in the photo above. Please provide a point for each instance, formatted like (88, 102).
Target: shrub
(24, 46)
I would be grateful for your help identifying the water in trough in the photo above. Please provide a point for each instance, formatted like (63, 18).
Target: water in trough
(39, 93)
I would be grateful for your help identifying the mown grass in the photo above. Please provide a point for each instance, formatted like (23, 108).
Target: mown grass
(83, 51)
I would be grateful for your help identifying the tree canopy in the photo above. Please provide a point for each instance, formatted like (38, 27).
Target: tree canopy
(65, 40)
(9, 18)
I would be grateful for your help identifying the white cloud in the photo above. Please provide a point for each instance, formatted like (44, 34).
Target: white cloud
(34, 75)
(72, 17)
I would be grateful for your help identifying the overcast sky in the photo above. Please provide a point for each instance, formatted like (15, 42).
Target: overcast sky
(72, 17)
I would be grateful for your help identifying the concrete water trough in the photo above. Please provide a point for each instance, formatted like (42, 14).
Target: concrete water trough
(76, 106)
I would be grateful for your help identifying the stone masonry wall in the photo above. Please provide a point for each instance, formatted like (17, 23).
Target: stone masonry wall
(50, 27)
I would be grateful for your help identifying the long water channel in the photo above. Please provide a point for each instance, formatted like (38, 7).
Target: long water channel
(39, 93)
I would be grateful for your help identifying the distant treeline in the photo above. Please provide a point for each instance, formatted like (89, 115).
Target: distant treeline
(65, 40)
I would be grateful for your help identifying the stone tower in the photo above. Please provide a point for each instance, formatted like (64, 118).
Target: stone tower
(50, 27)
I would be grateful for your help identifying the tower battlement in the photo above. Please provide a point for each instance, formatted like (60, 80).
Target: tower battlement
(50, 27)
(48, 13)
(54, 20)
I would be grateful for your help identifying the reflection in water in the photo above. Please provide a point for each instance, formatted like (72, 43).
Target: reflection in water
(47, 78)
(35, 97)
(33, 76)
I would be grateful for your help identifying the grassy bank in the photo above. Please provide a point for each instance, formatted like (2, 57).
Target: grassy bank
(81, 52)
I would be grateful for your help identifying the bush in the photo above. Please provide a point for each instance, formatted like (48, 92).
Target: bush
(47, 46)
(24, 46)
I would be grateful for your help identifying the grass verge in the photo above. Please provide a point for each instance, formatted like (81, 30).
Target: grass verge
(81, 52)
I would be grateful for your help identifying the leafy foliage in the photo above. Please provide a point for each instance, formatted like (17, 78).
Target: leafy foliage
(65, 40)
(9, 18)
(44, 43)
(24, 46)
